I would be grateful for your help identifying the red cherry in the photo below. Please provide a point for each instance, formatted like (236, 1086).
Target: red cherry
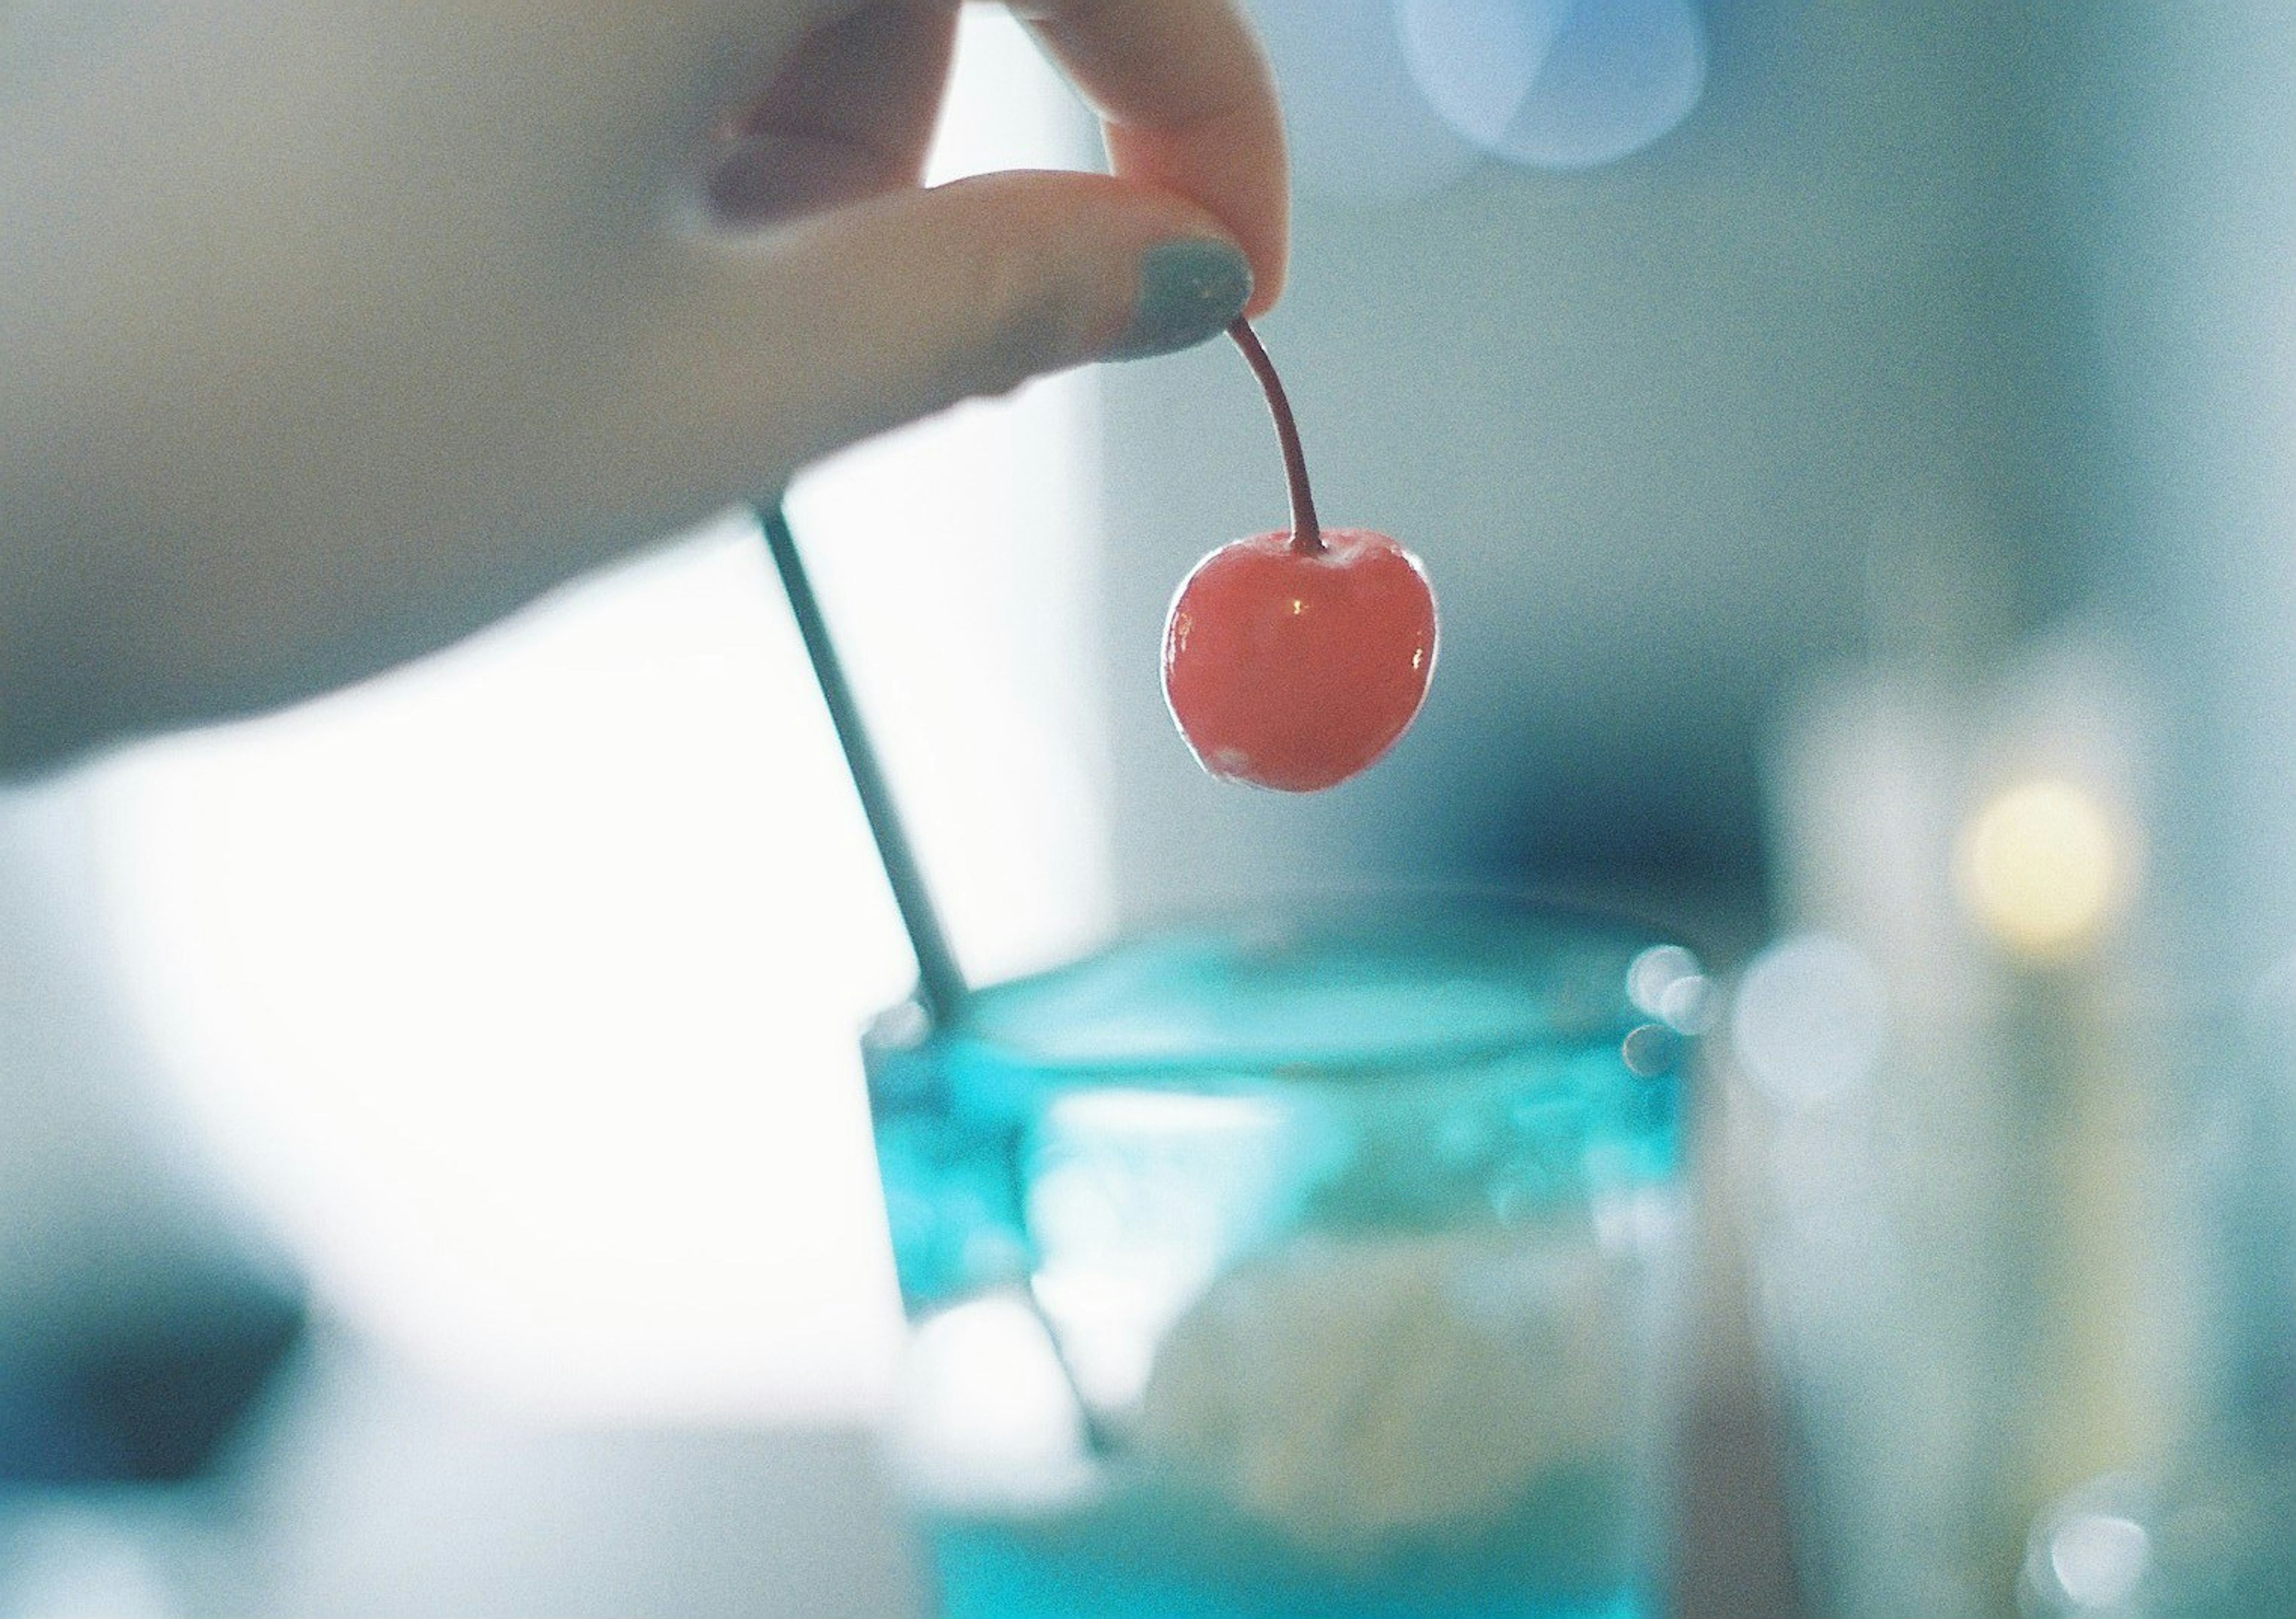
(1296, 670)
(1295, 659)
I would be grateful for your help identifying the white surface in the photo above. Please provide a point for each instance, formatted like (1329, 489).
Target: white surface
(372, 1490)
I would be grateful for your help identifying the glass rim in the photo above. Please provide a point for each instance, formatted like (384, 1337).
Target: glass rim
(1491, 924)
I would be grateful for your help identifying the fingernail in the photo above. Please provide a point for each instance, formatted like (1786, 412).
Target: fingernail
(1189, 291)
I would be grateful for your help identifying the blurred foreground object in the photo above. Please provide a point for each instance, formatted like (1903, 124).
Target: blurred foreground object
(1950, 1065)
(2174, 131)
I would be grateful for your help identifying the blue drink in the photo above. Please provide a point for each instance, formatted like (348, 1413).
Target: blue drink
(1317, 1270)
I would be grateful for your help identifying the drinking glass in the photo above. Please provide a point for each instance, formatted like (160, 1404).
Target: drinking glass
(1319, 1263)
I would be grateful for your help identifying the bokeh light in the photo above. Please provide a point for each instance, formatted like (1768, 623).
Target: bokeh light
(1557, 84)
(2045, 867)
(1667, 982)
(2090, 1555)
(1811, 1019)
(2098, 1558)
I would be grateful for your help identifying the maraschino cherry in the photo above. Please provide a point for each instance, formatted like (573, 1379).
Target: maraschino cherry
(1295, 659)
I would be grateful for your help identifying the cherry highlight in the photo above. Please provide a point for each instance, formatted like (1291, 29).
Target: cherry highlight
(1306, 534)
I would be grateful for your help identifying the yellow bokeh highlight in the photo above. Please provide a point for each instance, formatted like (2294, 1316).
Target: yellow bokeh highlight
(2044, 868)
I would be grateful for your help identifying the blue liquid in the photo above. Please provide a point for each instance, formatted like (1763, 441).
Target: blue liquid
(1215, 1107)
(1145, 1557)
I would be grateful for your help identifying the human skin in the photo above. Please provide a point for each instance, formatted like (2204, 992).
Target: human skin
(332, 330)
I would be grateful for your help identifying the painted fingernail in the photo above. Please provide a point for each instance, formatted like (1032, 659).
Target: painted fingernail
(1189, 291)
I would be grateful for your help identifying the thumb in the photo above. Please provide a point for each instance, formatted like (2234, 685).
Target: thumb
(762, 353)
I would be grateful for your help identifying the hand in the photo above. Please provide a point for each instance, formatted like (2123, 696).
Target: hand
(334, 330)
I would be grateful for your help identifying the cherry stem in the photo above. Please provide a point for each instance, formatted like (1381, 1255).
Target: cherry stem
(1306, 534)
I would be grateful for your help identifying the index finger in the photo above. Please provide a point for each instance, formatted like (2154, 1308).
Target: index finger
(1189, 105)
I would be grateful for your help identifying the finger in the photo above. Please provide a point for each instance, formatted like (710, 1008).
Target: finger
(1190, 105)
(850, 114)
(758, 356)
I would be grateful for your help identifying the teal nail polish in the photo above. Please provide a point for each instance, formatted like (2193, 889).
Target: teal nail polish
(1189, 291)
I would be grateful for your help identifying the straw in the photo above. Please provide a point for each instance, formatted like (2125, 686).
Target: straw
(941, 988)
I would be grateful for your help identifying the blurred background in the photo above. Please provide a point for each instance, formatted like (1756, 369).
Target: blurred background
(1854, 446)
